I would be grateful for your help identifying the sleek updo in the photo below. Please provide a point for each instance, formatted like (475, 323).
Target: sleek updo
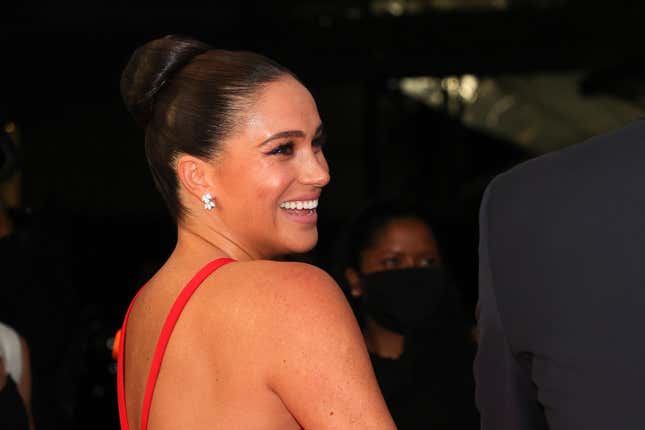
(188, 97)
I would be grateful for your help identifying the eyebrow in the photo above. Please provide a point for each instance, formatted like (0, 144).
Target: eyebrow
(292, 133)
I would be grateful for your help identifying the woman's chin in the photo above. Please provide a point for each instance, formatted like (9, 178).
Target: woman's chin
(303, 242)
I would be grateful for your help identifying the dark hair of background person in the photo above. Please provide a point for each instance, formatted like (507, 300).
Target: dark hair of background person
(362, 229)
(188, 97)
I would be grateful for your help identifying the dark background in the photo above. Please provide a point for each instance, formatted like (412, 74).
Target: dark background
(88, 200)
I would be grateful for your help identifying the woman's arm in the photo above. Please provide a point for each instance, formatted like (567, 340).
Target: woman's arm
(318, 363)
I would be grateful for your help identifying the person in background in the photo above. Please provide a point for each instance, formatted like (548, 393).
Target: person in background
(223, 336)
(38, 293)
(15, 381)
(411, 317)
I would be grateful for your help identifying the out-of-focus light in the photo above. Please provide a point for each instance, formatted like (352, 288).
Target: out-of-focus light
(419, 86)
(395, 8)
(10, 127)
(435, 98)
(441, 93)
(415, 86)
(468, 88)
(500, 107)
(415, 7)
(450, 84)
(469, 4)
(424, 88)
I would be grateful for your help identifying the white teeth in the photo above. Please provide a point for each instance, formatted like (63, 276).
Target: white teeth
(300, 204)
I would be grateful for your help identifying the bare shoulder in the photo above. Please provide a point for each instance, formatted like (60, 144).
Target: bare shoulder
(278, 309)
(272, 286)
(289, 304)
(267, 270)
(300, 336)
(282, 278)
(291, 328)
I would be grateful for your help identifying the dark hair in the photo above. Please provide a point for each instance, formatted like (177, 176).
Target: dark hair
(362, 231)
(188, 96)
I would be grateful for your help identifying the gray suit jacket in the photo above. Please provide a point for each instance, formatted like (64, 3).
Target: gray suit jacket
(562, 290)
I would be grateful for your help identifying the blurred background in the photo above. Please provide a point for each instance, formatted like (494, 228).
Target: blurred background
(426, 98)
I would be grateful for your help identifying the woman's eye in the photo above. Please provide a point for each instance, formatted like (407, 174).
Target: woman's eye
(283, 149)
(391, 262)
(427, 262)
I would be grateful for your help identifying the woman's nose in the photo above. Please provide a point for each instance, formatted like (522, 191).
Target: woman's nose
(408, 263)
(315, 170)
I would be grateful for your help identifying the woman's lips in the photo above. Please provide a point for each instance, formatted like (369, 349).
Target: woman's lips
(305, 216)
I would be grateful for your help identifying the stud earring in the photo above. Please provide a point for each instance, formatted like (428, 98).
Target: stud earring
(207, 199)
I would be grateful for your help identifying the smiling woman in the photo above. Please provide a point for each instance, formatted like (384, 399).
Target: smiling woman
(234, 142)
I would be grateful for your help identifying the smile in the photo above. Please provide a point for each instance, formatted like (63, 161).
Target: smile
(300, 205)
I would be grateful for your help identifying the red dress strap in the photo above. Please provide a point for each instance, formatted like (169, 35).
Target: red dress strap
(162, 343)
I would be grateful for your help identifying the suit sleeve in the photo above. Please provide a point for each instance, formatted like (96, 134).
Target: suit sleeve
(505, 394)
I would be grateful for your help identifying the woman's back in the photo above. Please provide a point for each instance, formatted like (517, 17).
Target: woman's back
(257, 346)
(206, 375)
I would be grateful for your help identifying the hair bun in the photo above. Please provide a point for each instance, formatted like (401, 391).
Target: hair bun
(150, 67)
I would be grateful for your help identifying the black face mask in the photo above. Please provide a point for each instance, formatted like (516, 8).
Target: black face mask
(402, 300)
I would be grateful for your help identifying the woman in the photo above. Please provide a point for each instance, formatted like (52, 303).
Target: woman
(234, 142)
(411, 318)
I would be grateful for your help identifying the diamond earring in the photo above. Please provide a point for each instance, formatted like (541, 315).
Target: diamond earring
(207, 199)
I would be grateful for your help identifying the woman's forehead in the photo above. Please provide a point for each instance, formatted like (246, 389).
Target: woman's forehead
(282, 105)
(405, 231)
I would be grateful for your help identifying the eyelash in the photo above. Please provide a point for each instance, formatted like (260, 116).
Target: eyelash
(391, 261)
(283, 149)
(287, 148)
(396, 260)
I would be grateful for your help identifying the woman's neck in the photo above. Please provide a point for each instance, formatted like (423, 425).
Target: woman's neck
(210, 243)
(383, 342)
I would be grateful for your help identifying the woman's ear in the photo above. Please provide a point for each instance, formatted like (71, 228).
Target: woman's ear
(194, 174)
(354, 280)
